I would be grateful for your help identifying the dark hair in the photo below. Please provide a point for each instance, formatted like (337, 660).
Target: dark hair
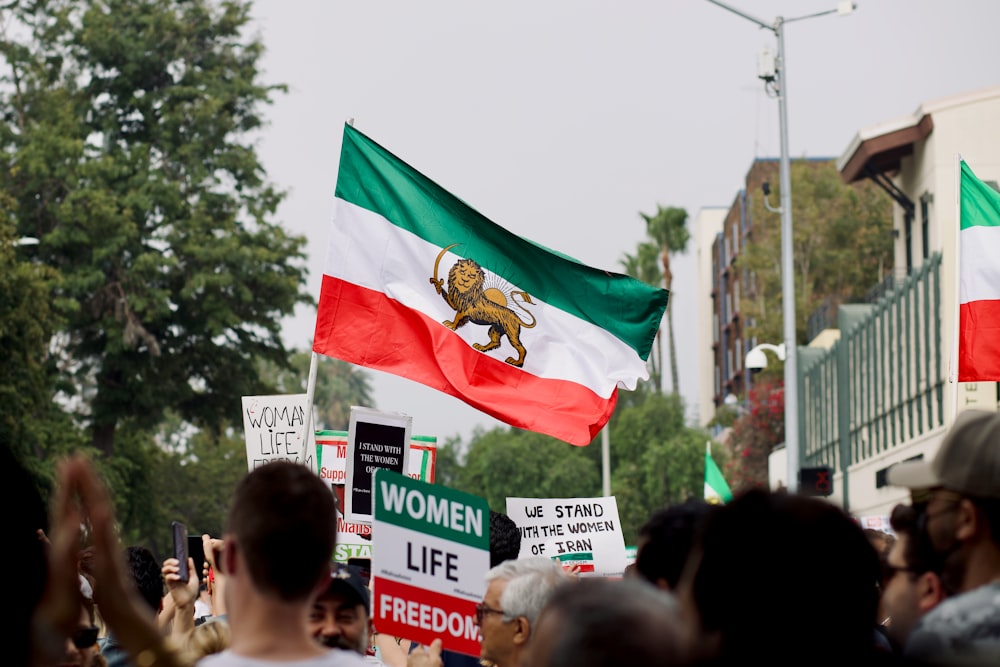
(773, 555)
(284, 522)
(918, 552)
(666, 539)
(607, 622)
(145, 573)
(505, 538)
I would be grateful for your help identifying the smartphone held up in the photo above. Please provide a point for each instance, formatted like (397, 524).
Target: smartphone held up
(181, 549)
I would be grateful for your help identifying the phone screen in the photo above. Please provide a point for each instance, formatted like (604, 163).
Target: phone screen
(180, 548)
(196, 550)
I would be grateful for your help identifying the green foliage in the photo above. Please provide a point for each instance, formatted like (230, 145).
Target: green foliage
(656, 460)
(842, 248)
(339, 385)
(508, 462)
(127, 153)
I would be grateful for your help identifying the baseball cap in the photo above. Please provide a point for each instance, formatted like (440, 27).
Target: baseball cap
(348, 580)
(967, 462)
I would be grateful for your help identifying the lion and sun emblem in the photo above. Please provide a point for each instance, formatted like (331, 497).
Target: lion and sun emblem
(489, 305)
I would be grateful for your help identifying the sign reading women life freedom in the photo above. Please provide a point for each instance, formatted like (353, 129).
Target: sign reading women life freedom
(433, 547)
(581, 532)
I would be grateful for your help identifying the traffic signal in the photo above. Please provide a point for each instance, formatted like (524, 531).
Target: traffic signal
(816, 481)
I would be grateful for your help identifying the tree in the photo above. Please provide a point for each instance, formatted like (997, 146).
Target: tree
(656, 460)
(32, 424)
(842, 247)
(644, 265)
(506, 462)
(339, 385)
(128, 152)
(754, 434)
(668, 227)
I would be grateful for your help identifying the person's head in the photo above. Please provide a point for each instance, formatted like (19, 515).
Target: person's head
(505, 538)
(597, 622)
(958, 497)
(665, 542)
(205, 639)
(912, 582)
(280, 532)
(341, 614)
(145, 573)
(773, 565)
(81, 646)
(516, 591)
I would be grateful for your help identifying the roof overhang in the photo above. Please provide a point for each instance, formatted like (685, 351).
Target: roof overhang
(881, 148)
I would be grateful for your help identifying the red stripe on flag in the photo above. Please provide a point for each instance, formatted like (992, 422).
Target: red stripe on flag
(979, 341)
(422, 616)
(365, 327)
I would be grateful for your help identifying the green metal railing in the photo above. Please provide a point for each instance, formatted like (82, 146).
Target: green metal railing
(882, 383)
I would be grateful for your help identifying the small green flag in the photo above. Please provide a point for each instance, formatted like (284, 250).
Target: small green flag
(716, 489)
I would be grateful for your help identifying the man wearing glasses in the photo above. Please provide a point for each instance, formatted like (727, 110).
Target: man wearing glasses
(957, 496)
(912, 576)
(515, 594)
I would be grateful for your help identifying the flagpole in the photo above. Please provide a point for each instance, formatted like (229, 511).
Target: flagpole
(310, 393)
(606, 460)
(957, 258)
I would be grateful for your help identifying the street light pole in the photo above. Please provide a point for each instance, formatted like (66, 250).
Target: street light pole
(787, 264)
(787, 276)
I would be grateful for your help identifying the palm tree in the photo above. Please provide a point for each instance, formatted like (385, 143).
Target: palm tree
(644, 265)
(668, 227)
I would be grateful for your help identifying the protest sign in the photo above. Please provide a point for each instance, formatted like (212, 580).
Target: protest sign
(433, 548)
(581, 532)
(375, 440)
(354, 539)
(274, 428)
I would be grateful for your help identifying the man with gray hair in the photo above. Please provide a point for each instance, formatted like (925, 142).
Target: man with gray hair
(515, 594)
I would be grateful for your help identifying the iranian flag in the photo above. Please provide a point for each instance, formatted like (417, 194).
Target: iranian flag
(716, 489)
(979, 280)
(420, 285)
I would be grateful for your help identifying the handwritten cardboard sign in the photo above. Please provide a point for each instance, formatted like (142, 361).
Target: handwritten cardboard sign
(274, 428)
(375, 440)
(584, 533)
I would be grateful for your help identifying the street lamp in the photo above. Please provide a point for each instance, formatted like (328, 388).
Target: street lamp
(774, 73)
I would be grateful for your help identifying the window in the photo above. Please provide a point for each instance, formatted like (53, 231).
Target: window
(925, 224)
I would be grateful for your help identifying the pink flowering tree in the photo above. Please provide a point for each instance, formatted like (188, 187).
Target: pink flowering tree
(754, 434)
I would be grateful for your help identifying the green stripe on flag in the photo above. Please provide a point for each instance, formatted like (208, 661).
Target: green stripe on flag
(980, 204)
(715, 481)
(373, 178)
(430, 509)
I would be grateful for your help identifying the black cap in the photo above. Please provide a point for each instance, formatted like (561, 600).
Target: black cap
(349, 580)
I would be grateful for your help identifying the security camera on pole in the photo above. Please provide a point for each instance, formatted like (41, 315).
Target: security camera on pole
(773, 71)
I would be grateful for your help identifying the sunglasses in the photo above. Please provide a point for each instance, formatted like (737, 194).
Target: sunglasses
(85, 637)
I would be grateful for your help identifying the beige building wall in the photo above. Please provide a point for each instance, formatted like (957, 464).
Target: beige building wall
(707, 225)
(966, 125)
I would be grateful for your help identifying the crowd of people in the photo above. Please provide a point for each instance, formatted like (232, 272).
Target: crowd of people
(768, 578)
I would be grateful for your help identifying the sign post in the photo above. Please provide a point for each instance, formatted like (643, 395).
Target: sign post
(433, 549)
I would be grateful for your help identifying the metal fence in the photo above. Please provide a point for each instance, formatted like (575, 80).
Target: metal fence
(882, 383)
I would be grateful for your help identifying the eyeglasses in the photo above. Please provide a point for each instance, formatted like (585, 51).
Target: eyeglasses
(482, 610)
(85, 637)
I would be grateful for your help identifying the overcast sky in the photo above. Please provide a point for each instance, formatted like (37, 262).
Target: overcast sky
(561, 120)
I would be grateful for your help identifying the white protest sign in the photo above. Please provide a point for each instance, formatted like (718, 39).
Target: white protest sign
(354, 539)
(433, 547)
(581, 532)
(274, 428)
(375, 440)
